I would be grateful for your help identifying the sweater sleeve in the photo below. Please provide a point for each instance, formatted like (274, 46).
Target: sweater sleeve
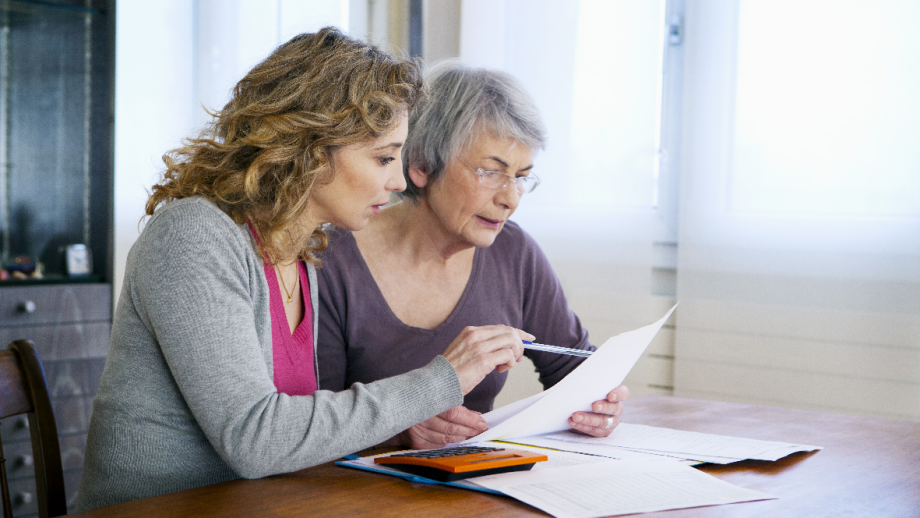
(547, 314)
(192, 285)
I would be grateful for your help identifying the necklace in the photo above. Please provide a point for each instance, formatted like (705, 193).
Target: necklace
(290, 294)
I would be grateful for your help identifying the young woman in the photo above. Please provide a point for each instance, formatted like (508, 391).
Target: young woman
(211, 373)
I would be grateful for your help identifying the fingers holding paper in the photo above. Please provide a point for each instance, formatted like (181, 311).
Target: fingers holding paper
(456, 425)
(605, 414)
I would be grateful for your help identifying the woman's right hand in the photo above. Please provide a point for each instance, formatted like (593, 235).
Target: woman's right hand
(477, 351)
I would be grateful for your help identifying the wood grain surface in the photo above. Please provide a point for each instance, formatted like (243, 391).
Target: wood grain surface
(868, 467)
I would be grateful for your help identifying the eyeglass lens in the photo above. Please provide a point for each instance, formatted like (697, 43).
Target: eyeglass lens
(496, 180)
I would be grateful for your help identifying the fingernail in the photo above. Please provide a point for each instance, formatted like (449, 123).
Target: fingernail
(577, 418)
(483, 426)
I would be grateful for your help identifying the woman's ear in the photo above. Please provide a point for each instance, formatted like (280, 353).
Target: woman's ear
(418, 177)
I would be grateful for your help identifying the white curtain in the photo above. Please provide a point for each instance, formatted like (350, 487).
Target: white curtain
(593, 68)
(799, 262)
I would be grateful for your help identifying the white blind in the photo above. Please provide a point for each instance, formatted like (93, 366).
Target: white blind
(799, 264)
(593, 68)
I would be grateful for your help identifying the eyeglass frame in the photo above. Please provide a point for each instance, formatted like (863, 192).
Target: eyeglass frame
(480, 172)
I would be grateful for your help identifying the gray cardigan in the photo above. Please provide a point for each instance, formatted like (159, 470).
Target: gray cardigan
(187, 397)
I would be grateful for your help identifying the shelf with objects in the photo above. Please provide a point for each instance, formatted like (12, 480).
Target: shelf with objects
(56, 209)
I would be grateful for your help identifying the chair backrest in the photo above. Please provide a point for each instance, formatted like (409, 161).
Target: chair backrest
(24, 390)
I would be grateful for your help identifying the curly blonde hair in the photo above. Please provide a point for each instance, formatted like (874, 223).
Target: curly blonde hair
(261, 155)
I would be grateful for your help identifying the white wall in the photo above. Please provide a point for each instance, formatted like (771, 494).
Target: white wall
(153, 105)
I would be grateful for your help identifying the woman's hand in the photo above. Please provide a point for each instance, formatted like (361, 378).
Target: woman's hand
(477, 351)
(455, 425)
(605, 416)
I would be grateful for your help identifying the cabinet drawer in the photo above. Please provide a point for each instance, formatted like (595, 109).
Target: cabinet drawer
(64, 342)
(24, 497)
(72, 414)
(55, 304)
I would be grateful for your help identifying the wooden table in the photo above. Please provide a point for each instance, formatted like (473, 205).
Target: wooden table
(868, 467)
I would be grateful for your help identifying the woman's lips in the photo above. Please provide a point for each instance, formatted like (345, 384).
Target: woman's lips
(490, 223)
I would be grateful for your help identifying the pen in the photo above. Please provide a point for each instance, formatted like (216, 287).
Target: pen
(556, 349)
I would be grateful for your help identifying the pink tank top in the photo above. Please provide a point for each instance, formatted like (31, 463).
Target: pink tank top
(293, 362)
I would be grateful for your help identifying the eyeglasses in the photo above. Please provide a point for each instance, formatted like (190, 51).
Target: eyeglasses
(498, 180)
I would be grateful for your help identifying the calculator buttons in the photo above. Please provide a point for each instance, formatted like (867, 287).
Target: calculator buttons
(450, 464)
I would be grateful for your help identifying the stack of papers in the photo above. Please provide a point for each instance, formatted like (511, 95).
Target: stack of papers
(618, 487)
(574, 485)
(636, 441)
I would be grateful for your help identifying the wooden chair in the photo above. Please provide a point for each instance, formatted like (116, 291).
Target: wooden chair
(24, 390)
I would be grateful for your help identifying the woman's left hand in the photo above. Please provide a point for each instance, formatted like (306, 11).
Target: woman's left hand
(605, 416)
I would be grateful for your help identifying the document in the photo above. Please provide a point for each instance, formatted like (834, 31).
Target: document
(611, 452)
(666, 441)
(550, 410)
(618, 487)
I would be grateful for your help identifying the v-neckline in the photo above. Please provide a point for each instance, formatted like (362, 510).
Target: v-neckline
(366, 271)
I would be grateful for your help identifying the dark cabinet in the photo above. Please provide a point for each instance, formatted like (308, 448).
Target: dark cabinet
(56, 189)
(56, 131)
(70, 325)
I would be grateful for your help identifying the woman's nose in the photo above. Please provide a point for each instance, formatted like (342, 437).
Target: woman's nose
(397, 181)
(509, 196)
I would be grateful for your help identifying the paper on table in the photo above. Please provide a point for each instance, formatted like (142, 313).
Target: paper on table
(668, 441)
(555, 458)
(550, 410)
(618, 487)
(612, 452)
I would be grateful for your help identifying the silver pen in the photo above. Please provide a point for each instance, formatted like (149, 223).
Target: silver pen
(556, 349)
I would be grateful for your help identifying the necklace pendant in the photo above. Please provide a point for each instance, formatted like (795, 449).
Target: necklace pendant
(289, 299)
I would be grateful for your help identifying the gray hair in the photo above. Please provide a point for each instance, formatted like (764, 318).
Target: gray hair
(461, 102)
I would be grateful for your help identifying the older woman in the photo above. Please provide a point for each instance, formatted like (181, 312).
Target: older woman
(448, 257)
(211, 371)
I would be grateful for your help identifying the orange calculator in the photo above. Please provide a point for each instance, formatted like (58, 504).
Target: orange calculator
(450, 464)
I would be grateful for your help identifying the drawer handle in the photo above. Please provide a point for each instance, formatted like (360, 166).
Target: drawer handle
(27, 307)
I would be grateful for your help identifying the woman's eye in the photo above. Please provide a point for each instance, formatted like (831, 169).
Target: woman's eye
(386, 160)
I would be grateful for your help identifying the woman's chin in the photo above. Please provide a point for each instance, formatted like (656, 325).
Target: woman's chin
(483, 239)
(357, 225)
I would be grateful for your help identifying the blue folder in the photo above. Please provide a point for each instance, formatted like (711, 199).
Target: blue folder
(349, 463)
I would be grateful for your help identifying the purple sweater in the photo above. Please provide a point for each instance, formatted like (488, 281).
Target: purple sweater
(511, 283)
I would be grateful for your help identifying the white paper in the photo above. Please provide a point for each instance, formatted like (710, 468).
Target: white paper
(692, 444)
(603, 371)
(612, 452)
(618, 487)
(500, 415)
(555, 458)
